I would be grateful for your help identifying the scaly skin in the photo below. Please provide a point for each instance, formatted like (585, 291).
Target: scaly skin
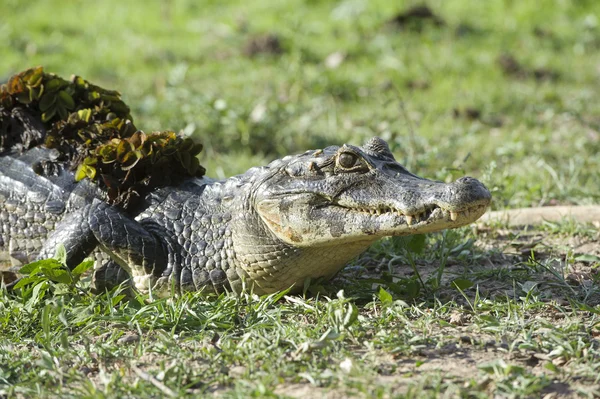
(268, 229)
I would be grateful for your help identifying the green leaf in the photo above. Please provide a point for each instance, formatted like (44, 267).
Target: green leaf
(90, 161)
(34, 93)
(93, 96)
(62, 111)
(46, 319)
(80, 173)
(26, 281)
(66, 99)
(108, 153)
(57, 275)
(414, 243)
(61, 254)
(185, 159)
(351, 315)
(23, 97)
(47, 101)
(413, 288)
(79, 82)
(35, 77)
(551, 366)
(35, 267)
(462, 284)
(85, 114)
(385, 297)
(84, 171)
(116, 299)
(131, 159)
(54, 84)
(110, 97)
(196, 149)
(64, 337)
(49, 114)
(123, 149)
(587, 258)
(37, 294)
(83, 267)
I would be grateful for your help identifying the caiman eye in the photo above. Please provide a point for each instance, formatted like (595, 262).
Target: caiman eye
(347, 160)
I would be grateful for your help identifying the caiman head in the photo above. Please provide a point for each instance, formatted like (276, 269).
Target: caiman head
(329, 205)
(348, 193)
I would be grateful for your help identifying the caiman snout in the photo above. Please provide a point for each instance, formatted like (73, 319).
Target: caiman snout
(467, 190)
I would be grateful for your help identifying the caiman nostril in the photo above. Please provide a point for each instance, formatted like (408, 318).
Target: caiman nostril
(469, 189)
(466, 180)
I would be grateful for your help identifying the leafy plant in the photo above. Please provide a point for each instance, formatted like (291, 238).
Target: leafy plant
(50, 276)
(93, 131)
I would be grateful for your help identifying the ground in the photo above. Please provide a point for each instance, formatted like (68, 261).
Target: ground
(500, 90)
(485, 311)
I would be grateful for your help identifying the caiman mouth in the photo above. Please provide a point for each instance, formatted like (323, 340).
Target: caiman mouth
(430, 213)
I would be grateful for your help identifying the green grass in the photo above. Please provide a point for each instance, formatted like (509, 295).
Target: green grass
(464, 313)
(521, 329)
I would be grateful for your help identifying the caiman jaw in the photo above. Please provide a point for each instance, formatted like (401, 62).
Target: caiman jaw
(431, 214)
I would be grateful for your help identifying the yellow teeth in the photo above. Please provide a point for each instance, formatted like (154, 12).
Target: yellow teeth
(423, 217)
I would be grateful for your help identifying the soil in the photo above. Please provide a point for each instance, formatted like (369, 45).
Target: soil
(512, 67)
(263, 44)
(415, 17)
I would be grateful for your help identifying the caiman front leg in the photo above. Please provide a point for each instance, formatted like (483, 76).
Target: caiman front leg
(132, 245)
(75, 235)
(108, 276)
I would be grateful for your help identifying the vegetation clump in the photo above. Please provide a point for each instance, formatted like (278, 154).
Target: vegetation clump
(93, 131)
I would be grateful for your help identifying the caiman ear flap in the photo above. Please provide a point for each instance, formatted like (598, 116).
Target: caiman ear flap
(378, 146)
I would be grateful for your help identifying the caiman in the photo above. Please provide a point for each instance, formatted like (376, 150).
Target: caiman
(300, 217)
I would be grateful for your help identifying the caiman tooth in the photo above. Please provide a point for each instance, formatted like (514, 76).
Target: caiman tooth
(453, 216)
(409, 219)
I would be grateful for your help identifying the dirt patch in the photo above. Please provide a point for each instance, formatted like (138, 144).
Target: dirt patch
(513, 68)
(263, 44)
(418, 84)
(415, 18)
(468, 113)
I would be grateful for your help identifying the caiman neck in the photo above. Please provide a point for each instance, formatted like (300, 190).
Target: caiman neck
(271, 264)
